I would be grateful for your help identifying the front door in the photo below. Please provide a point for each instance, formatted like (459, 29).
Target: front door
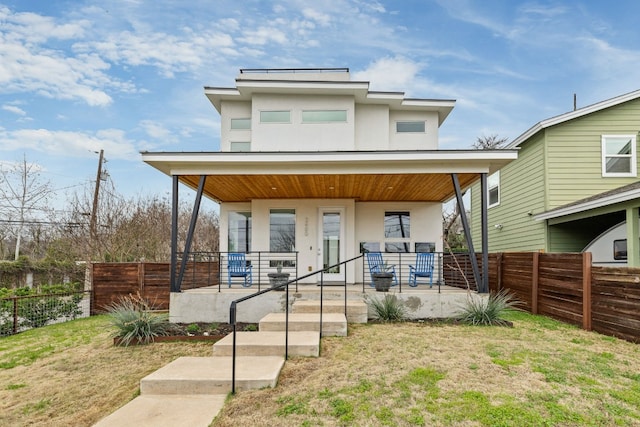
(331, 243)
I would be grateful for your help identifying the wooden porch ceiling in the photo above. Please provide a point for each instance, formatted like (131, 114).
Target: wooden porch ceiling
(427, 187)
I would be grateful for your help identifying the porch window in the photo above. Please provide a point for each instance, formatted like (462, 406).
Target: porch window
(241, 124)
(493, 187)
(240, 146)
(619, 155)
(275, 116)
(410, 127)
(397, 231)
(324, 116)
(282, 230)
(239, 232)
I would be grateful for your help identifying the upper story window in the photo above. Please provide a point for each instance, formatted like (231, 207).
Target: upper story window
(410, 127)
(619, 155)
(275, 116)
(493, 187)
(324, 116)
(241, 124)
(397, 231)
(240, 146)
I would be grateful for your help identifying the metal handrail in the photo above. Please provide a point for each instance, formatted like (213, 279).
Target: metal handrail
(234, 305)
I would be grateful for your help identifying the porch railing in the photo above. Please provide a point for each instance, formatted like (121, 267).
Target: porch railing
(234, 307)
(401, 262)
(206, 269)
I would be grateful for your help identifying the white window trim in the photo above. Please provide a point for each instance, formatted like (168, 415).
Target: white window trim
(489, 190)
(634, 160)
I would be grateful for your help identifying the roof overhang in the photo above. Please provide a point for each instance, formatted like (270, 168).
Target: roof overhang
(423, 176)
(609, 198)
(245, 89)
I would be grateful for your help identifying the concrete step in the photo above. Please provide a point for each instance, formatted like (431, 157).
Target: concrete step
(166, 411)
(333, 324)
(356, 310)
(212, 375)
(270, 343)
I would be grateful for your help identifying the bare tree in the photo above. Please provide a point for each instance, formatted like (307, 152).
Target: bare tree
(490, 142)
(24, 197)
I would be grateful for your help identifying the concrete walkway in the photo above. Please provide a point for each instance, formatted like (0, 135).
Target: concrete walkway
(190, 391)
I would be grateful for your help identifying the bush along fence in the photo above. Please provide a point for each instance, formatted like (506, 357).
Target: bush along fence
(26, 308)
(566, 287)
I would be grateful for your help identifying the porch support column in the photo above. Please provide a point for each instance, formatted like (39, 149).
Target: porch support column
(484, 219)
(175, 286)
(467, 231)
(633, 239)
(192, 227)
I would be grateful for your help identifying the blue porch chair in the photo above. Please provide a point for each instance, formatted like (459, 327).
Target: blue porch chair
(237, 267)
(377, 265)
(423, 268)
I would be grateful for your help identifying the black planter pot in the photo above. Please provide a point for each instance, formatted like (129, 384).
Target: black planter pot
(382, 281)
(277, 279)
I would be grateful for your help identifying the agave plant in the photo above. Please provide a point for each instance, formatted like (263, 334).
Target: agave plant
(490, 310)
(388, 309)
(135, 320)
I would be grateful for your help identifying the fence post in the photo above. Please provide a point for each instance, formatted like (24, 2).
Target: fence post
(141, 278)
(499, 272)
(15, 315)
(534, 282)
(586, 291)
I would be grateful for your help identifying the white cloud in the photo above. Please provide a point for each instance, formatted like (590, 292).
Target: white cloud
(157, 131)
(15, 110)
(321, 18)
(70, 144)
(390, 74)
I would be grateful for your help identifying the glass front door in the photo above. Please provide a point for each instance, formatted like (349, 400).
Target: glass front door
(331, 247)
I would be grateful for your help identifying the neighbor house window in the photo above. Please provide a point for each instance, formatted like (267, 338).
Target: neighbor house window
(397, 231)
(239, 232)
(324, 116)
(620, 250)
(493, 185)
(619, 155)
(275, 116)
(241, 124)
(410, 127)
(240, 146)
(282, 230)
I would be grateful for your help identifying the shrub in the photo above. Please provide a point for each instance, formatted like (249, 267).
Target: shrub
(388, 309)
(490, 310)
(134, 319)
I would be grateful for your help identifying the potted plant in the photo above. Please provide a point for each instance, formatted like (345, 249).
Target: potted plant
(382, 279)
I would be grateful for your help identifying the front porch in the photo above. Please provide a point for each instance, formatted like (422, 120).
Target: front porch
(211, 304)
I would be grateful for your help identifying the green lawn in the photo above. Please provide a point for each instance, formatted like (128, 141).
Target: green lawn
(538, 373)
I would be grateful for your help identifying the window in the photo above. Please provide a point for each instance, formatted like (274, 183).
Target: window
(324, 116)
(239, 232)
(282, 230)
(241, 124)
(275, 116)
(410, 127)
(369, 247)
(240, 146)
(397, 231)
(620, 249)
(619, 155)
(493, 185)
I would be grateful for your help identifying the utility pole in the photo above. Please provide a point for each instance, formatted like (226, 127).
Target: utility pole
(94, 210)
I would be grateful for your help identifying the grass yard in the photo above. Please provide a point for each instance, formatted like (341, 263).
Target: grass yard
(538, 373)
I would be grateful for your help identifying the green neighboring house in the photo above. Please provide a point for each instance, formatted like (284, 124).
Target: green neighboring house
(576, 176)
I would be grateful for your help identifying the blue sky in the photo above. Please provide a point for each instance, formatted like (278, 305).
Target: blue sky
(77, 76)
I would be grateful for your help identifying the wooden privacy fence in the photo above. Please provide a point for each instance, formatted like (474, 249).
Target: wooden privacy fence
(566, 286)
(112, 281)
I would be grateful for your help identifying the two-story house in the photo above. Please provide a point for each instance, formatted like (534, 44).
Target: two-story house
(576, 176)
(316, 163)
